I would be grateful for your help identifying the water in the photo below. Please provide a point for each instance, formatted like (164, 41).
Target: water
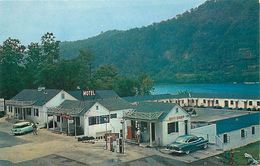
(247, 89)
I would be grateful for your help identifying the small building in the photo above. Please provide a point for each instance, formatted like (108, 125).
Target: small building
(158, 123)
(32, 104)
(227, 129)
(95, 117)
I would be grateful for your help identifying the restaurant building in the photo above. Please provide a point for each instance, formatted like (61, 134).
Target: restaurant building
(158, 123)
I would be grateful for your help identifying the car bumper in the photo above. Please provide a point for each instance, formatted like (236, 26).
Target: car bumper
(175, 151)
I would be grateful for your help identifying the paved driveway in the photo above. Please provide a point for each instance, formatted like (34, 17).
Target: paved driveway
(6, 139)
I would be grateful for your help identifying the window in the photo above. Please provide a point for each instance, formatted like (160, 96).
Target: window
(258, 103)
(112, 116)
(204, 101)
(177, 110)
(225, 138)
(104, 119)
(98, 119)
(216, 101)
(28, 111)
(62, 96)
(250, 103)
(193, 139)
(92, 120)
(173, 127)
(243, 135)
(96, 107)
(36, 112)
(231, 102)
(58, 118)
(253, 130)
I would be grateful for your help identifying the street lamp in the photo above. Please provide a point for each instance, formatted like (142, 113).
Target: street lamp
(123, 131)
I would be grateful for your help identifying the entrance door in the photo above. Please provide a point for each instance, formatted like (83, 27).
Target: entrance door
(153, 132)
(186, 127)
(226, 103)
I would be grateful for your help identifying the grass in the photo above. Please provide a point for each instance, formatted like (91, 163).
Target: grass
(239, 158)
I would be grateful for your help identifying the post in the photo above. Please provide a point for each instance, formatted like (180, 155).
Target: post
(106, 132)
(75, 126)
(60, 123)
(123, 139)
(47, 122)
(68, 126)
(151, 141)
(53, 124)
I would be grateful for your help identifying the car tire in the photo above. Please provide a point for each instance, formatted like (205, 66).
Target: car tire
(205, 146)
(187, 152)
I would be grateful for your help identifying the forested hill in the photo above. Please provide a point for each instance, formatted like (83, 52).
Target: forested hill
(216, 42)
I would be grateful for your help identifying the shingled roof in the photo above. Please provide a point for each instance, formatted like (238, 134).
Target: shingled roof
(99, 94)
(76, 107)
(38, 98)
(150, 111)
(114, 104)
(73, 107)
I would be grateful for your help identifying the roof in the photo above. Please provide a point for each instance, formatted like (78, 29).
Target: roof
(99, 94)
(38, 98)
(151, 111)
(191, 95)
(147, 97)
(238, 123)
(73, 107)
(76, 107)
(212, 115)
(113, 104)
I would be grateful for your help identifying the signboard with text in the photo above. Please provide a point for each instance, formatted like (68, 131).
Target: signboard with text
(89, 93)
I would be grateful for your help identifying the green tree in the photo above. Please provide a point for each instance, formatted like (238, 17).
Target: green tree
(145, 85)
(11, 67)
(105, 77)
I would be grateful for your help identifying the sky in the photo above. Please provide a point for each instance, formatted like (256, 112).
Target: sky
(28, 20)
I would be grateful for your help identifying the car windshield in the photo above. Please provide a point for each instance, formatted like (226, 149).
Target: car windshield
(21, 126)
(181, 140)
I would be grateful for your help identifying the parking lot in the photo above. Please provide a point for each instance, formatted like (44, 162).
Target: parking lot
(49, 149)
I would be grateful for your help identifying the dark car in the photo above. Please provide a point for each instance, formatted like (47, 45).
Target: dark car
(187, 143)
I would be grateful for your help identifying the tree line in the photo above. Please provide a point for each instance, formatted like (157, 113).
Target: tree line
(39, 64)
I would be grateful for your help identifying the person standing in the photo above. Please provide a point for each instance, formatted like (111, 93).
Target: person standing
(34, 129)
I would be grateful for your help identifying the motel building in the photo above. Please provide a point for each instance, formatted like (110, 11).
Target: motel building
(89, 118)
(231, 101)
(227, 129)
(32, 104)
(158, 123)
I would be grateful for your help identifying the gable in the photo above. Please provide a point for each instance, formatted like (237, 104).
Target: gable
(176, 113)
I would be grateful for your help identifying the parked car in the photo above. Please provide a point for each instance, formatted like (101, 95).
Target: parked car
(186, 144)
(22, 128)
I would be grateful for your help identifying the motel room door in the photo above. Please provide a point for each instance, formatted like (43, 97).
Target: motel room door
(153, 131)
(186, 127)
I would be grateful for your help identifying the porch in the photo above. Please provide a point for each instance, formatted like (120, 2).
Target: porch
(143, 128)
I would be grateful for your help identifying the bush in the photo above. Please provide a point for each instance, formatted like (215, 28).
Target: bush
(2, 114)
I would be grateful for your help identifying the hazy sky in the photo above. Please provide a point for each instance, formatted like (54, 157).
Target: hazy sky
(75, 20)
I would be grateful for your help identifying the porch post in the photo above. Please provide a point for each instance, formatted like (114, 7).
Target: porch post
(75, 121)
(47, 121)
(53, 124)
(68, 126)
(61, 123)
(151, 141)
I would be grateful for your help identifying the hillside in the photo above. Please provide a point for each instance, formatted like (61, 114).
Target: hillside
(216, 42)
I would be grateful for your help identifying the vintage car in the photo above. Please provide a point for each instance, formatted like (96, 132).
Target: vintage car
(186, 144)
(22, 128)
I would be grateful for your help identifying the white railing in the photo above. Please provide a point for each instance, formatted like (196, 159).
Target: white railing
(19, 103)
(219, 142)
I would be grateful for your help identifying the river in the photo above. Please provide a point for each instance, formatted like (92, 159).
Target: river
(247, 89)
